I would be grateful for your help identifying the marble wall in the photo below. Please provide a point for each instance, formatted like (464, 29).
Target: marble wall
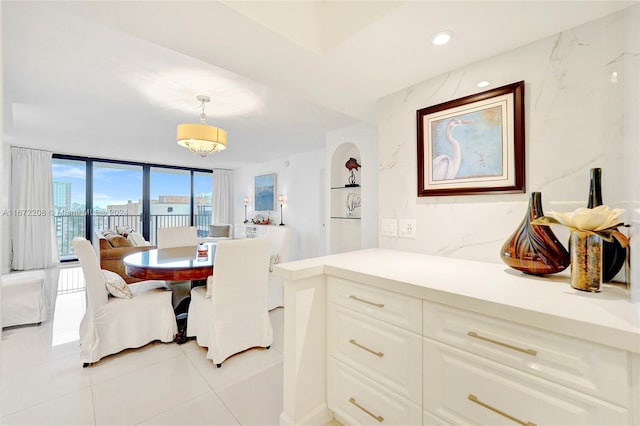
(581, 111)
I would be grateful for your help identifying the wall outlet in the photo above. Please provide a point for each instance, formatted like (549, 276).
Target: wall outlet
(390, 227)
(407, 228)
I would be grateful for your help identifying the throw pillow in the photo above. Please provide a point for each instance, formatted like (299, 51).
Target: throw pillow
(275, 258)
(124, 230)
(117, 240)
(219, 230)
(116, 285)
(136, 239)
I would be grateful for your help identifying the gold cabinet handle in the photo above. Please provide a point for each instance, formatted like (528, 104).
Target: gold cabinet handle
(378, 418)
(353, 342)
(475, 399)
(379, 305)
(506, 345)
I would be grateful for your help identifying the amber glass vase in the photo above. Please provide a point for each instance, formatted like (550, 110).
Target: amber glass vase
(534, 249)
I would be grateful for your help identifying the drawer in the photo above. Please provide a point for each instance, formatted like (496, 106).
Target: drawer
(430, 420)
(394, 308)
(357, 400)
(387, 354)
(462, 388)
(584, 366)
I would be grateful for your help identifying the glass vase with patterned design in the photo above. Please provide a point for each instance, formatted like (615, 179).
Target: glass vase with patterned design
(534, 249)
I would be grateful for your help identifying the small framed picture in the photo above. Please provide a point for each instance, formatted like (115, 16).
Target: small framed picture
(264, 190)
(473, 145)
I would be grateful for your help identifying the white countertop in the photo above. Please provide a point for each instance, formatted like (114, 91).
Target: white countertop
(492, 289)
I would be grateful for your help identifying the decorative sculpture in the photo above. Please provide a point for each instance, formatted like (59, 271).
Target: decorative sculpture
(352, 165)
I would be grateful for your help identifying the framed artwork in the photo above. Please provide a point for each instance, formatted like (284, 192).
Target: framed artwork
(473, 145)
(264, 190)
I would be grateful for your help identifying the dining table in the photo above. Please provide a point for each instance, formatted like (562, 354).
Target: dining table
(172, 264)
(189, 263)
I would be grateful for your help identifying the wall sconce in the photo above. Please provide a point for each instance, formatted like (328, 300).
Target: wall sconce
(246, 201)
(281, 200)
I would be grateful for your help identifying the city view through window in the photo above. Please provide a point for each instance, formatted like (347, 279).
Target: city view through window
(116, 199)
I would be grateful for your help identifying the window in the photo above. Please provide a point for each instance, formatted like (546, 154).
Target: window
(69, 203)
(117, 196)
(94, 195)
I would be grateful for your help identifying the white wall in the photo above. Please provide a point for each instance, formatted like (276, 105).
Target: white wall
(576, 119)
(365, 138)
(299, 179)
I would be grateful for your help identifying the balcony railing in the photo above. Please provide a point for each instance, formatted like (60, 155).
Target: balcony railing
(70, 226)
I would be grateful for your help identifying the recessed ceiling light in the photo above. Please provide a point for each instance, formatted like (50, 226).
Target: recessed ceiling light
(441, 38)
(482, 84)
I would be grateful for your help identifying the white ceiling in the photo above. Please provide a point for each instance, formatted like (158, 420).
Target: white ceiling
(113, 79)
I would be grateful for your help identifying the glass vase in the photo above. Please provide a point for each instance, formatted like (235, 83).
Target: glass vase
(613, 254)
(586, 261)
(534, 249)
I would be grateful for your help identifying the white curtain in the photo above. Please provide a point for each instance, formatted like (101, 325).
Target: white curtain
(33, 232)
(33, 236)
(222, 197)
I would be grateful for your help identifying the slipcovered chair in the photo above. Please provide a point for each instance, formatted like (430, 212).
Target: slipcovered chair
(112, 324)
(179, 236)
(233, 316)
(280, 238)
(219, 231)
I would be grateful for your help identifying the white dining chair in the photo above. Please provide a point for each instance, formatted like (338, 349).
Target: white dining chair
(112, 324)
(280, 239)
(233, 317)
(178, 236)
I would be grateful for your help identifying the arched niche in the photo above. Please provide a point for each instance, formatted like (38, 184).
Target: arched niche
(345, 199)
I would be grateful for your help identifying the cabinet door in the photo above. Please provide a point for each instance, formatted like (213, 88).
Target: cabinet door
(466, 389)
(358, 400)
(389, 355)
(393, 308)
(584, 366)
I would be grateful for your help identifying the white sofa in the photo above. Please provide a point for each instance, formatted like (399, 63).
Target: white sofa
(24, 299)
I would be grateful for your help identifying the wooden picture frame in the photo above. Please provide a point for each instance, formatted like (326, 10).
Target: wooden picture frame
(483, 155)
(264, 192)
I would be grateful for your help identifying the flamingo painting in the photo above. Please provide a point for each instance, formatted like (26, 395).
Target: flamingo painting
(446, 167)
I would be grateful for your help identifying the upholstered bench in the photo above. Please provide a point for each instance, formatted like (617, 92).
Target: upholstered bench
(23, 298)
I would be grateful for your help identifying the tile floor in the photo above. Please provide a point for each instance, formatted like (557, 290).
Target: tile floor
(42, 381)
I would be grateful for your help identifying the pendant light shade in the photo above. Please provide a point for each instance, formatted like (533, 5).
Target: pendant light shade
(200, 138)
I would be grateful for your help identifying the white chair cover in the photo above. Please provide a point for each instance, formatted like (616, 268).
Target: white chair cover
(110, 324)
(235, 317)
(24, 299)
(179, 236)
(280, 238)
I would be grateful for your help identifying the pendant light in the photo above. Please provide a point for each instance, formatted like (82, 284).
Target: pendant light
(201, 138)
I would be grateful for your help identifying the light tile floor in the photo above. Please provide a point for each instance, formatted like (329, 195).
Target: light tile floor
(42, 381)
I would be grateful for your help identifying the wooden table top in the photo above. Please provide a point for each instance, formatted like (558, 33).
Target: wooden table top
(171, 264)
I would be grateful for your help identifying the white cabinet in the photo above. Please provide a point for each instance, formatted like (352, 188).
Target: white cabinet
(462, 388)
(380, 336)
(587, 367)
(397, 359)
(482, 370)
(374, 355)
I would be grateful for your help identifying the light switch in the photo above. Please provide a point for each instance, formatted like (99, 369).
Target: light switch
(390, 227)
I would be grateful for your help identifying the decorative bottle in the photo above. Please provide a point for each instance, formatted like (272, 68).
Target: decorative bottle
(534, 249)
(613, 254)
